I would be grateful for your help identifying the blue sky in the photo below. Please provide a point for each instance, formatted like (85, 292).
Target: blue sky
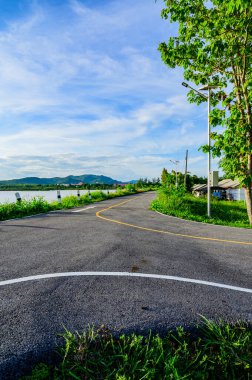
(83, 90)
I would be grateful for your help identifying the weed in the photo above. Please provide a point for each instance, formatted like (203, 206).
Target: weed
(214, 351)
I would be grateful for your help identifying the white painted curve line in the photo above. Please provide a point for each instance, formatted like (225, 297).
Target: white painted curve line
(84, 209)
(124, 274)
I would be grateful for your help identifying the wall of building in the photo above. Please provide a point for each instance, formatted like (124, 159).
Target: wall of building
(238, 194)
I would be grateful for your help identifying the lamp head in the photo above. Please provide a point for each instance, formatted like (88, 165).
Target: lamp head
(208, 87)
(185, 84)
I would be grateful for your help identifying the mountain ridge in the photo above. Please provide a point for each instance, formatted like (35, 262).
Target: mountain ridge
(71, 179)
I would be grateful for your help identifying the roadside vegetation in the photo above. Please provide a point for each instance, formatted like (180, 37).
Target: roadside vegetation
(39, 205)
(210, 351)
(175, 199)
(177, 202)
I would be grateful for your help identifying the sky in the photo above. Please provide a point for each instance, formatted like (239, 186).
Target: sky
(83, 90)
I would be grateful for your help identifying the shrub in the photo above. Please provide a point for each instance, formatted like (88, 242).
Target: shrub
(176, 202)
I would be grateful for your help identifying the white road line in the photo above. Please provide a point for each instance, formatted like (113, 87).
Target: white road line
(124, 274)
(83, 209)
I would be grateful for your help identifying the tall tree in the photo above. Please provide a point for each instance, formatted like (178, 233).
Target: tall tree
(213, 46)
(164, 175)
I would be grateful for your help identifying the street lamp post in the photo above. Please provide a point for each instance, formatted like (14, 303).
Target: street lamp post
(176, 163)
(208, 88)
(186, 158)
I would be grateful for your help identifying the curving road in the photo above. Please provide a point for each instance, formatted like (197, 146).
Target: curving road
(115, 263)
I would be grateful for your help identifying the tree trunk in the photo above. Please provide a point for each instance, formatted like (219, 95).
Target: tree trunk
(248, 197)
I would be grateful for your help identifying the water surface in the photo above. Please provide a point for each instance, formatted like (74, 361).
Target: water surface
(49, 195)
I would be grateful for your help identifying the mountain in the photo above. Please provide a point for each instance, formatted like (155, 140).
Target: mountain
(71, 179)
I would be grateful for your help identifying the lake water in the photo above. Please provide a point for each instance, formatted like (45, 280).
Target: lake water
(50, 195)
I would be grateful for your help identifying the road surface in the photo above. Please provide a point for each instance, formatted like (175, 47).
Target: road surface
(115, 263)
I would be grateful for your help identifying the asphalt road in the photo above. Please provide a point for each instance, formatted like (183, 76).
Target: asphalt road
(122, 242)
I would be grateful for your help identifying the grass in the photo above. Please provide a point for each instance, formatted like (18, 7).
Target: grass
(211, 351)
(40, 205)
(186, 206)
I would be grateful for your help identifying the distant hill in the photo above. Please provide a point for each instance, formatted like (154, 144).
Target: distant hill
(71, 179)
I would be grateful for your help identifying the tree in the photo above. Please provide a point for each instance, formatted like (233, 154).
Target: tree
(140, 183)
(164, 175)
(213, 46)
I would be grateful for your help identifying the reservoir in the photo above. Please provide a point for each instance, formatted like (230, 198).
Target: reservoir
(50, 195)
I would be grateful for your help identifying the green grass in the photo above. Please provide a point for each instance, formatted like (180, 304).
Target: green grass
(40, 205)
(187, 206)
(211, 351)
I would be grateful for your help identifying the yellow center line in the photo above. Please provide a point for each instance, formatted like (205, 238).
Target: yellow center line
(98, 214)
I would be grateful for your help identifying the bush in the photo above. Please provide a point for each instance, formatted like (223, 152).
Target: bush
(176, 202)
(130, 188)
(24, 208)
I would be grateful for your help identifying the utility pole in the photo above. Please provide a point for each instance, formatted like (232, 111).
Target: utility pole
(186, 159)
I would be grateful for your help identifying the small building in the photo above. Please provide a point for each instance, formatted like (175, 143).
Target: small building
(232, 187)
(229, 183)
(200, 190)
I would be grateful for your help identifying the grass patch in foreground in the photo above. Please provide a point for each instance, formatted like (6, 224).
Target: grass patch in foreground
(40, 205)
(186, 206)
(212, 351)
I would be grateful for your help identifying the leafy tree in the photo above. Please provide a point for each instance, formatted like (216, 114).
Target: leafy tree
(139, 183)
(213, 46)
(164, 175)
(168, 179)
(130, 187)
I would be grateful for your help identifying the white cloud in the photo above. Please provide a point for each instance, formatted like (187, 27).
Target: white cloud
(41, 54)
(80, 79)
(157, 112)
(120, 167)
